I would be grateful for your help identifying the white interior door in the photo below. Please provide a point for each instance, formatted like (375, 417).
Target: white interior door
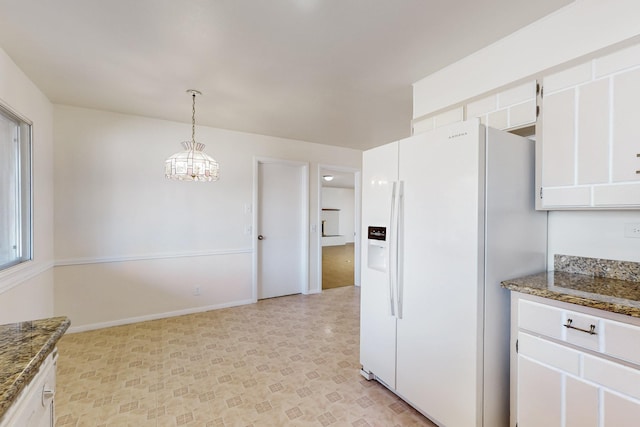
(282, 216)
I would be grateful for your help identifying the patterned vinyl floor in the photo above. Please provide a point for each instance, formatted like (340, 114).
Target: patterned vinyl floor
(290, 361)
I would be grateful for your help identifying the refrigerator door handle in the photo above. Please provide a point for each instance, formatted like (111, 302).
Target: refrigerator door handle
(391, 235)
(399, 250)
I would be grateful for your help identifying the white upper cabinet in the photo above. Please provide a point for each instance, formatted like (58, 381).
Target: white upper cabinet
(626, 126)
(593, 131)
(590, 140)
(558, 152)
(508, 109)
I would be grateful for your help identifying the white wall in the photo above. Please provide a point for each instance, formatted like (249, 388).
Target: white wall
(343, 199)
(26, 291)
(593, 234)
(582, 28)
(131, 244)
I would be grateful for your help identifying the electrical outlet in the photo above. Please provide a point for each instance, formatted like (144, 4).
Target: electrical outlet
(632, 230)
(196, 291)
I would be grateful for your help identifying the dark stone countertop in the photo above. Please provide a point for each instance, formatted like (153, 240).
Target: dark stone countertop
(23, 348)
(609, 294)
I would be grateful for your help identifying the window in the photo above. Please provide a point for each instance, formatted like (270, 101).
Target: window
(15, 189)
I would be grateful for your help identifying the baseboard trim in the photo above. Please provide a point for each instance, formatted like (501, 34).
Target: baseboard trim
(156, 316)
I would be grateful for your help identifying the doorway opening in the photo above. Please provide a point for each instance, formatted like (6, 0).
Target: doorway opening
(339, 227)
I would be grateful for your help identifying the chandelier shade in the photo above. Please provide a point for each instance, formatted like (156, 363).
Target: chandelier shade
(192, 164)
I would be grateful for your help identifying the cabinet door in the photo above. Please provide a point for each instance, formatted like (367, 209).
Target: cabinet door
(559, 153)
(558, 136)
(539, 395)
(571, 158)
(626, 145)
(620, 411)
(44, 417)
(581, 403)
(593, 133)
(589, 151)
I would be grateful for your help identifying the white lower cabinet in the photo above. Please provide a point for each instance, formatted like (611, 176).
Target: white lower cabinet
(35, 404)
(581, 403)
(620, 411)
(567, 371)
(539, 394)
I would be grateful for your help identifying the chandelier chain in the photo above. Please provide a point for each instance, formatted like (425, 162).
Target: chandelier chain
(193, 119)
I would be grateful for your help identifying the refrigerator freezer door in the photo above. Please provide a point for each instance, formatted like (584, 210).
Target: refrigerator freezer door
(438, 336)
(377, 323)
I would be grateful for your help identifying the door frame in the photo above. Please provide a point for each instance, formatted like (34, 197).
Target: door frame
(357, 207)
(304, 235)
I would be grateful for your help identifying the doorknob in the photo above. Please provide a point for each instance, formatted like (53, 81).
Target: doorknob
(260, 237)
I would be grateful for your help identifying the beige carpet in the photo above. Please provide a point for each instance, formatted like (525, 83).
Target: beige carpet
(337, 266)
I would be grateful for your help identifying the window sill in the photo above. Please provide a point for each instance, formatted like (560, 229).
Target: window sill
(19, 273)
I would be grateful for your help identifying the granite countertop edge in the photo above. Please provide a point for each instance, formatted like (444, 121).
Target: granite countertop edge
(9, 395)
(579, 289)
(612, 307)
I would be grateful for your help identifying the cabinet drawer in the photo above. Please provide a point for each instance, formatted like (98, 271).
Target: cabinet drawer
(555, 355)
(575, 328)
(622, 341)
(583, 330)
(612, 375)
(541, 319)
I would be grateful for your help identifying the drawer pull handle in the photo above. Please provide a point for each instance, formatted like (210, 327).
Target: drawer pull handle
(590, 331)
(47, 394)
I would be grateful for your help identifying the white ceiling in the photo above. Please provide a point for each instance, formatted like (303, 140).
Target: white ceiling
(335, 72)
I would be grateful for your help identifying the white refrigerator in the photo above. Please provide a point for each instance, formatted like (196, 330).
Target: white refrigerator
(446, 216)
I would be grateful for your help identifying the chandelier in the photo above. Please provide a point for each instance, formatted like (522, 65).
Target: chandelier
(192, 164)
